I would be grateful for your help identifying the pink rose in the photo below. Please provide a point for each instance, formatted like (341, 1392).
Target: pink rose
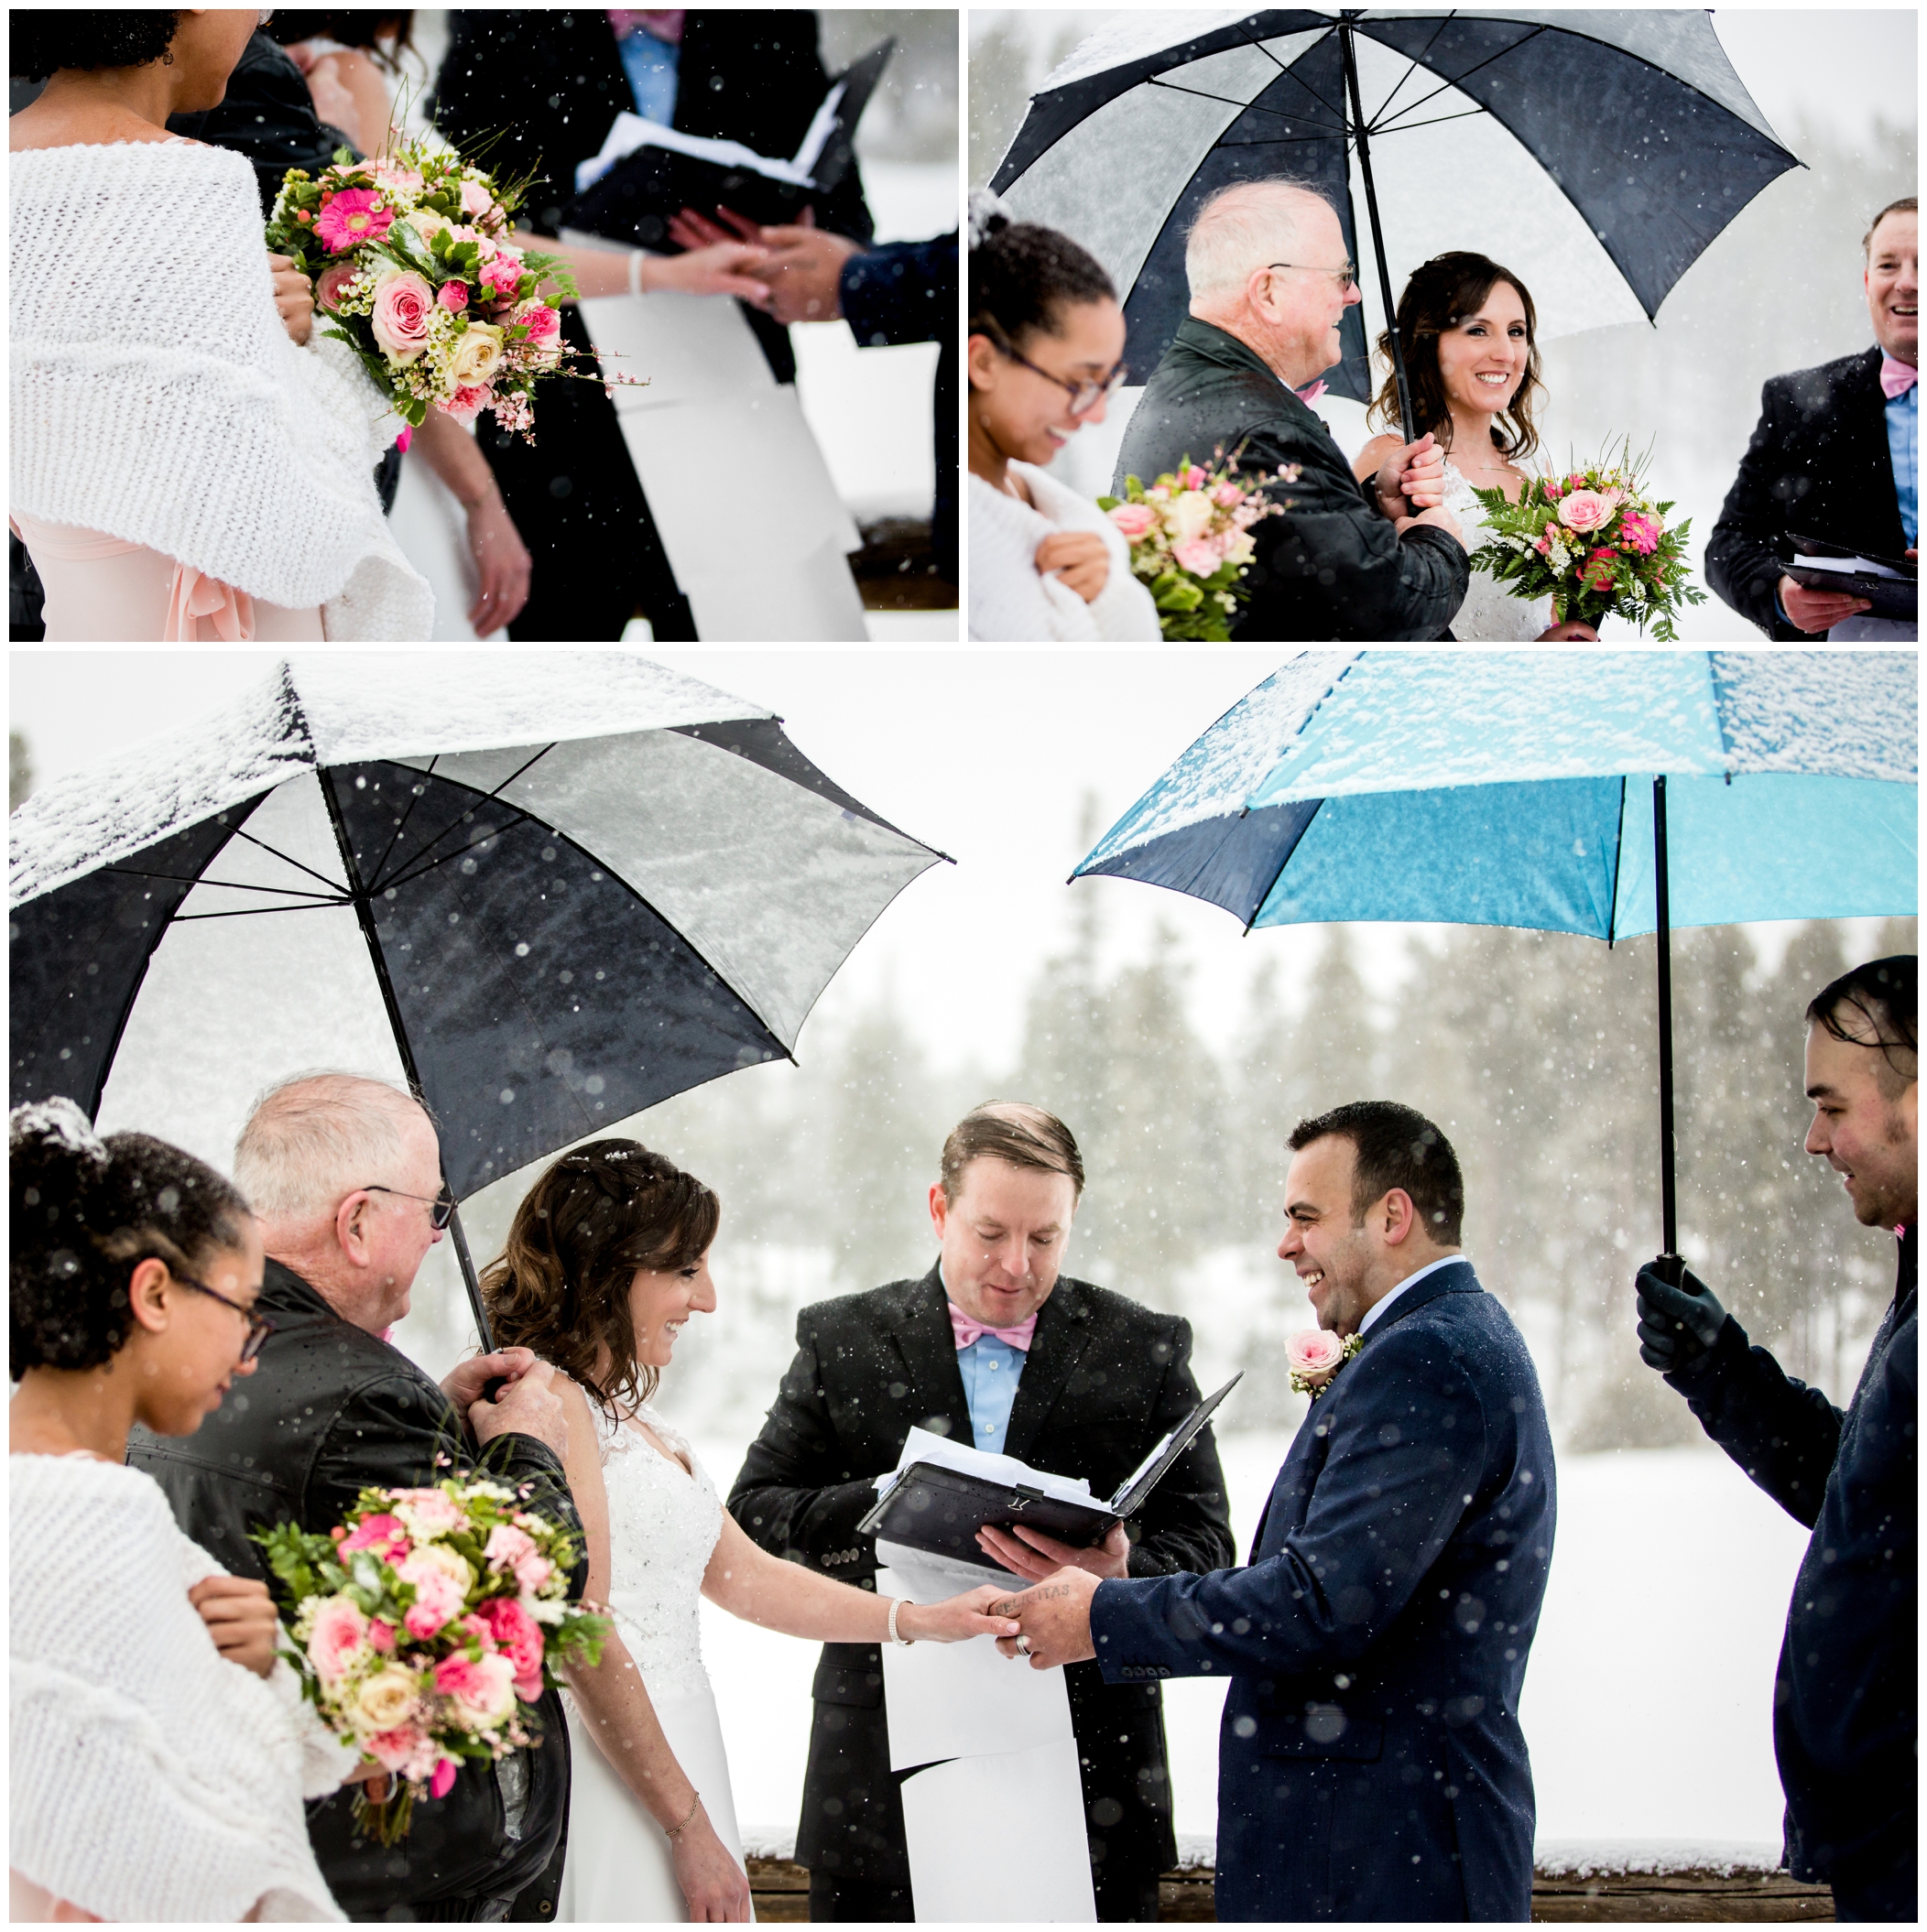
(443, 1780)
(339, 1632)
(395, 1749)
(1585, 510)
(1555, 491)
(532, 1573)
(544, 325)
(483, 1693)
(1193, 478)
(1200, 555)
(1228, 495)
(438, 1600)
(1599, 572)
(382, 1534)
(465, 404)
(1575, 482)
(1137, 520)
(428, 1511)
(518, 1634)
(403, 302)
(381, 1634)
(506, 1547)
(503, 273)
(332, 281)
(477, 201)
(351, 217)
(1313, 1352)
(453, 297)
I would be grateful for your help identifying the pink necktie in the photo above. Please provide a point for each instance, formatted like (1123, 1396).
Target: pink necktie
(966, 1331)
(1310, 392)
(1897, 378)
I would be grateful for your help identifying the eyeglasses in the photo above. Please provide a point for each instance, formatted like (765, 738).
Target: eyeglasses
(259, 1328)
(1086, 394)
(441, 1209)
(1344, 277)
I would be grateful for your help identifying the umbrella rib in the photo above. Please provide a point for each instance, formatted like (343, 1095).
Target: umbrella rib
(284, 860)
(401, 824)
(1459, 79)
(249, 912)
(381, 885)
(1437, 121)
(1251, 107)
(1612, 912)
(1411, 66)
(175, 878)
(1252, 40)
(409, 878)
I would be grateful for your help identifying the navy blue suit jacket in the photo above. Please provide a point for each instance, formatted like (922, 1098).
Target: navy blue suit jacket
(1371, 1764)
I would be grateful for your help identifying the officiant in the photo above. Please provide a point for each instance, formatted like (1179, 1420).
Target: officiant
(998, 1347)
(540, 89)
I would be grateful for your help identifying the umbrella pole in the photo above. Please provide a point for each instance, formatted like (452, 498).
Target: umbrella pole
(365, 913)
(1668, 1214)
(1371, 207)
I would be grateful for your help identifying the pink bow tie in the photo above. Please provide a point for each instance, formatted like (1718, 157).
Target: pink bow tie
(1897, 378)
(967, 1331)
(1310, 392)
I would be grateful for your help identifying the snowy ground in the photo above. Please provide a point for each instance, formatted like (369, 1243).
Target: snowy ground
(1647, 1705)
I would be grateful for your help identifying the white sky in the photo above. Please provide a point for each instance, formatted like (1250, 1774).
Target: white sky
(986, 755)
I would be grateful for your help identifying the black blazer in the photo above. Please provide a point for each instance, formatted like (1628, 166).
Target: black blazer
(1818, 465)
(1331, 567)
(332, 1411)
(1370, 1764)
(1105, 1379)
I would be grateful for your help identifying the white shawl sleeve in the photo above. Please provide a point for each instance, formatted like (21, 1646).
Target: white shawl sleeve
(155, 396)
(149, 1777)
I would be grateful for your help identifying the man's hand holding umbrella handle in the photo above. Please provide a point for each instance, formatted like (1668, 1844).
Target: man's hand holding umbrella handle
(1411, 479)
(1680, 1317)
(527, 1407)
(1053, 1618)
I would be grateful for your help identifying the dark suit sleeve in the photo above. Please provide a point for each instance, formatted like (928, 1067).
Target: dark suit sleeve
(792, 1496)
(1185, 1524)
(1392, 1489)
(1742, 564)
(1783, 1434)
(388, 1435)
(906, 292)
(1332, 565)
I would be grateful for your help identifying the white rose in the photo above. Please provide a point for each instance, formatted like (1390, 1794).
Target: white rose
(427, 1556)
(478, 354)
(385, 1700)
(1188, 514)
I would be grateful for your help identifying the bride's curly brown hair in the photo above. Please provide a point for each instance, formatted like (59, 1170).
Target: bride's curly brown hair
(1441, 294)
(560, 1285)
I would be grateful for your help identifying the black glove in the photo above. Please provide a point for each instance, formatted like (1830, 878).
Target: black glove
(1677, 1321)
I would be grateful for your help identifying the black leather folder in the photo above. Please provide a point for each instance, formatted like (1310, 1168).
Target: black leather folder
(941, 1509)
(1898, 597)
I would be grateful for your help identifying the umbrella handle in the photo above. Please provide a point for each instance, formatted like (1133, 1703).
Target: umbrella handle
(1662, 922)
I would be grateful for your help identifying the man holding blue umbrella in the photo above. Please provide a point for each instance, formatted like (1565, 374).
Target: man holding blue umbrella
(1845, 1696)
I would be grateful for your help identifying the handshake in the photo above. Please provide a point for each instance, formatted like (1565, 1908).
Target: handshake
(1054, 1616)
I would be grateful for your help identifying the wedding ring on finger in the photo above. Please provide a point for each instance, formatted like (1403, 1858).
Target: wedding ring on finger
(1023, 1646)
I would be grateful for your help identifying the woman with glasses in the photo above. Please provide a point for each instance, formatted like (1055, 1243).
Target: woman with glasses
(188, 460)
(1466, 327)
(1045, 357)
(160, 1754)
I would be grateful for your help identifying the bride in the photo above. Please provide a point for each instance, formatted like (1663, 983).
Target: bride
(607, 1258)
(1466, 326)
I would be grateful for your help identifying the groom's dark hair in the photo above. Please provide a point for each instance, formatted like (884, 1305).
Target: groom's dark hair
(1397, 1147)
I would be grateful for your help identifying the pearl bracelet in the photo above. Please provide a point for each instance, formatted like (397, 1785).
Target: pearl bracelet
(903, 1643)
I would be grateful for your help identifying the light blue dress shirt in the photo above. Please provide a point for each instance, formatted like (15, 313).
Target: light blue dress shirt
(990, 1369)
(1903, 443)
(650, 65)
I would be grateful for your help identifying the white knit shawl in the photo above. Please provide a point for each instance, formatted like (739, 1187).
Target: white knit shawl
(1012, 602)
(154, 394)
(150, 1778)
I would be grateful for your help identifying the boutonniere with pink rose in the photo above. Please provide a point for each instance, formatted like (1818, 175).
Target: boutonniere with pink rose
(1315, 1356)
(416, 267)
(425, 1627)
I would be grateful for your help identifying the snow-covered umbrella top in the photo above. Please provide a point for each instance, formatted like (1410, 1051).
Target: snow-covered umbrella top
(1594, 152)
(552, 891)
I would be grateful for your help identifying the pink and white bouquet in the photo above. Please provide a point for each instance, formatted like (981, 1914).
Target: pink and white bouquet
(426, 1625)
(413, 264)
(1191, 541)
(1595, 542)
(1314, 1356)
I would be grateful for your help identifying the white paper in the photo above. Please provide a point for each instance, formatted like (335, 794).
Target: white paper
(1000, 1840)
(923, 1446)
(1851, 566)
(629, 131)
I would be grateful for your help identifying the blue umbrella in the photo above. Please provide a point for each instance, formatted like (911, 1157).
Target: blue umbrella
(1609, 794)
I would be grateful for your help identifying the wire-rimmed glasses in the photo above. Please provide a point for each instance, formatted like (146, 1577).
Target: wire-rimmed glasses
(441, 1207)
(1344, 277)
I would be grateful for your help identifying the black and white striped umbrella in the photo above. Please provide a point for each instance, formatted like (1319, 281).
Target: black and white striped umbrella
(1595, 153)
(549, 892)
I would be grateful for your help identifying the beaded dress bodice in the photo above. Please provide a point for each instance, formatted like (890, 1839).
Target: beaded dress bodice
(1490, 613)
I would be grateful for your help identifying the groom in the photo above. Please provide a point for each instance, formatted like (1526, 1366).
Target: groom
(1370, 1762)
(1269, 283)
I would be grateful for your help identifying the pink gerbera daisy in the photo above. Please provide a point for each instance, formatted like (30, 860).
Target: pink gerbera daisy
(354, 216)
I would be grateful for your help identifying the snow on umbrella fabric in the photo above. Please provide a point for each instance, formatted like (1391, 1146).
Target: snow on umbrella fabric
(1595, 153)
(1519, 788)
(547, 892)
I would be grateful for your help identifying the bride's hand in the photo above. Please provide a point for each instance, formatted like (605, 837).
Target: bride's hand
(1572, 632)
(711, 1880)
(723, 268)
(1079, 560)
(294, 299)
(956, 1619)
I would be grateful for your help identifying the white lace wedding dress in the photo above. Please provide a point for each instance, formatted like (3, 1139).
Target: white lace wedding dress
(663, 1525)
(1490, 613)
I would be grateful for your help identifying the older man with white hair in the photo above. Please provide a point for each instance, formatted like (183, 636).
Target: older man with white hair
(344, 1175)
(1269, 284)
